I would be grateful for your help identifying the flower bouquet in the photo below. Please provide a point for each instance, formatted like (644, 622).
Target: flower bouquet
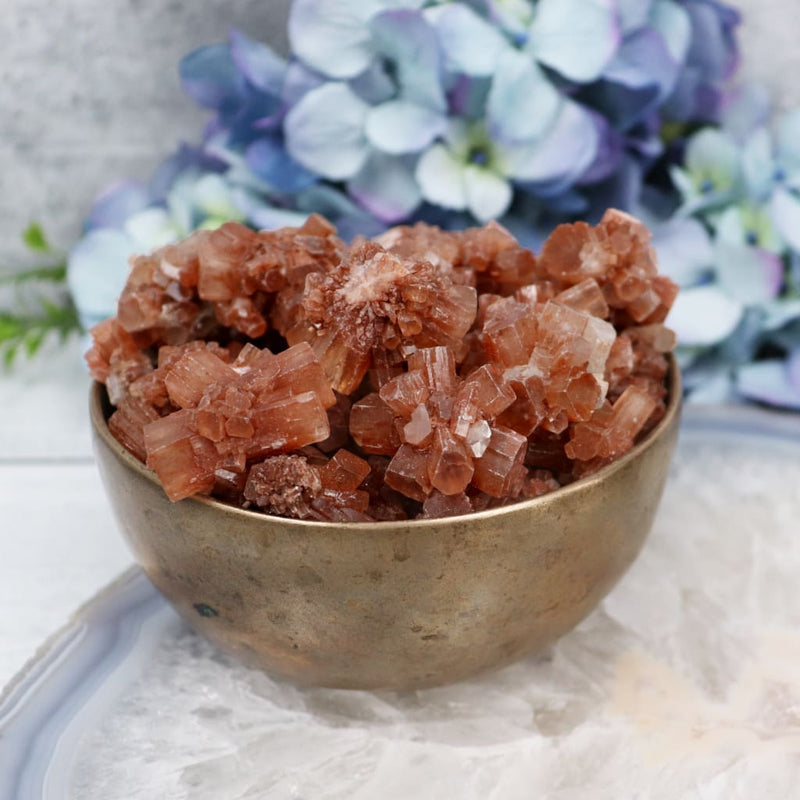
(530, 112)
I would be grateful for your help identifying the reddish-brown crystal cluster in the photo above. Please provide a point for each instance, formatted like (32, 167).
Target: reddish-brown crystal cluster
(424, 373)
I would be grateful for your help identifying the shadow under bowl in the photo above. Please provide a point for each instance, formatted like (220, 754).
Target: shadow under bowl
(398, 605)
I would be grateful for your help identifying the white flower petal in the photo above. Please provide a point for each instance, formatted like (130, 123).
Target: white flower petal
(563, 153)
(97, 270)
(788, 140)
(748, 274)
(703, 316)
(758, 164)
(684, 250)
(768, 382)
(728, 226)
(785, 208)
(325, 131)
(471, 45)
(441, 178)
(180, 202)
(403, 127)
(457, 136)
(212, 197)
(575, 37)
(332, 36)
(386, 187)
(151, 228)
(522, 102)
(633, 14)
(488, 194)
(409, 42)
(714, 152)
(675, 27)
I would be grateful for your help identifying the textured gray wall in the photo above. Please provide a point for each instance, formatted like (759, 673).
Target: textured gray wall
(89, 92)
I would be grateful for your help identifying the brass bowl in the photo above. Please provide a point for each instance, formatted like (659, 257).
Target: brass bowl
(389, 604)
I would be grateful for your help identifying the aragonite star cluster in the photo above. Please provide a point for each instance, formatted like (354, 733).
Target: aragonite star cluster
(423, 373)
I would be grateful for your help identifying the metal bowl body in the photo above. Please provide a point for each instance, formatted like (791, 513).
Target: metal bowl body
(392, 604)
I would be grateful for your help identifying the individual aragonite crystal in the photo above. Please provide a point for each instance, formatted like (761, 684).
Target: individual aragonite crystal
(372, 426)
(233, 414)
(374, 301)
(553, 357)
(618, 255)
(495, 469)
(444, 422)
(611, 430)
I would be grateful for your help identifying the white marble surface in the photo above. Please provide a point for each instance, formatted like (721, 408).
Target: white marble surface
(58, 540)
(89, 92)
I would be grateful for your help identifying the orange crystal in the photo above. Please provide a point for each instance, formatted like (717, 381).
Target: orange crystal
(611, 429)
(444, 418)
(376, 300)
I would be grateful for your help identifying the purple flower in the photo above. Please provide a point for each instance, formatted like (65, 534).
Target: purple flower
(712, 59)
(245, 83)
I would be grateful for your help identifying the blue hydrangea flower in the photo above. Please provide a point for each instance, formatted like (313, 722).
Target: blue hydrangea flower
(471, 170)
(647, 66)
(711, 60)
(712, 171)
(739, 184)
(247, 85)
(576, 38)
(398, 67)
(365, 131)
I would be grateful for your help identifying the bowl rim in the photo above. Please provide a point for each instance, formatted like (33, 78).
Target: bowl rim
(98, 399)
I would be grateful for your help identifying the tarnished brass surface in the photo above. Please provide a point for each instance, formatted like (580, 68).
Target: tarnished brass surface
(389, 604)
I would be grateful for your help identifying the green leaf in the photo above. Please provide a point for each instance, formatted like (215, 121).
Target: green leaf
(30, 331)
(56, 273)
(10, 327)
(34, 238)
(9, 354)
(33, 341)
